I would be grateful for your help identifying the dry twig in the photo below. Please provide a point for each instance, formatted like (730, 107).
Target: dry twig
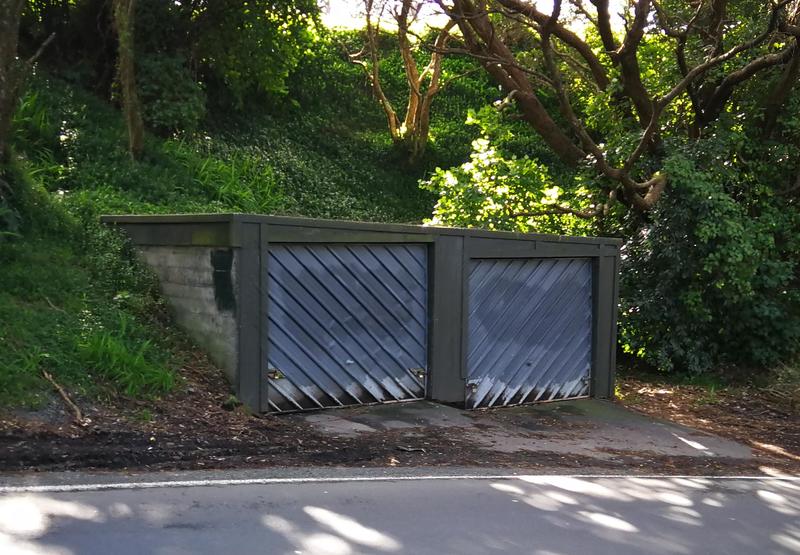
(76, 411)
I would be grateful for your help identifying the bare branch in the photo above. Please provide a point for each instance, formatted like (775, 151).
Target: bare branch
(42, 47)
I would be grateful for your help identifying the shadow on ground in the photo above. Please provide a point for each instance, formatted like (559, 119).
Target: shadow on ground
(540, 515)
(586, 436)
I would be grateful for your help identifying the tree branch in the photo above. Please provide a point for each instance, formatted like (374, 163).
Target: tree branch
(725, 89)
(42, 47)
(780, 92)
(481, 39)
(564, 35)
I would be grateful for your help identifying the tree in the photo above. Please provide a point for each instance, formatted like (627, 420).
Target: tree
(676, 127)
(124, 16)
(10, 71)
(411, 131)
(711, 61)
(250, 46)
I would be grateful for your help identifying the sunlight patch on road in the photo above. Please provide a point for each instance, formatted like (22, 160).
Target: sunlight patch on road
(306, 543)
(10, 545)
(561, 497)
(684, 515)
(325, 544)
(576, 485)
(508, 488)
(31, 516)
(775, 450)
(673, 499)
(352, 529)
(792, 543)
(778, 502)
(692, 483)
(694, 444)
(609, 521)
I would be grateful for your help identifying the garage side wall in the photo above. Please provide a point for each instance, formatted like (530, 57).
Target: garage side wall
(200, 285)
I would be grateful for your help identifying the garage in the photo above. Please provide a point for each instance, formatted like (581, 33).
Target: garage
(308, 314)
(529, 330)
(347, 324)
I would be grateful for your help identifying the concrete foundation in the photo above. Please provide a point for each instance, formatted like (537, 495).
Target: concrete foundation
(200, 284)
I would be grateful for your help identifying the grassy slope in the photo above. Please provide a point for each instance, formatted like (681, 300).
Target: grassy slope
(74, 302)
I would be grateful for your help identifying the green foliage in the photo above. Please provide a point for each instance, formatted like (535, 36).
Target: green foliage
(252, 46)
(499, 190)
(710, 280)
(234, 50)
(130, 363)
(64, 282)
(171, 99)
(327, 85)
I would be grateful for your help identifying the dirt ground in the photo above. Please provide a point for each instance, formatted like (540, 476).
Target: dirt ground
(744, 414)
(197, 428)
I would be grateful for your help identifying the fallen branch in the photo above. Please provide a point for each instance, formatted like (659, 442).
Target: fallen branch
(410, 449)
(54, 307)
(76, 411)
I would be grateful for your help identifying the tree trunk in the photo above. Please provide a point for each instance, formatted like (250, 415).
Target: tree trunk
(10, 70)
(123, 22)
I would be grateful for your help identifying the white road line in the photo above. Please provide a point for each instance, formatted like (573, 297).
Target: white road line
(267, 481)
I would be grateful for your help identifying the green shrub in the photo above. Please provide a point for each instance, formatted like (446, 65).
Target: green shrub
(710, 281)
(171, 98)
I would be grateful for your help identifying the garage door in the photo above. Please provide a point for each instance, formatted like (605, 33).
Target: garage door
(347, 324)
(529, 330)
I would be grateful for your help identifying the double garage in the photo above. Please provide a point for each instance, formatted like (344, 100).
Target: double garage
(308, 314)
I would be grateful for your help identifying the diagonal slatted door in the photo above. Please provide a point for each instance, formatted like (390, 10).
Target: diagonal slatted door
(348, 324)
(530, 330)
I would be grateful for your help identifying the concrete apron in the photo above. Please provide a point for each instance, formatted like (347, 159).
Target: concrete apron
(585, 427)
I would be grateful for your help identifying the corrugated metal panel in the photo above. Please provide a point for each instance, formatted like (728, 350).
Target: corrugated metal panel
(530, 330)
(348, 324)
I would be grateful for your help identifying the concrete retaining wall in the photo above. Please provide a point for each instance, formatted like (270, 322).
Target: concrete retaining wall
(200, 284)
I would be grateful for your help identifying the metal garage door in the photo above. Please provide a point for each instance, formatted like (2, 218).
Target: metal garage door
(347, 324)
(530, 330)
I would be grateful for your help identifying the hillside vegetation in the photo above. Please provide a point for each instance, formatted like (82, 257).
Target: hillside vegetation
(73, 299)
(674, 132)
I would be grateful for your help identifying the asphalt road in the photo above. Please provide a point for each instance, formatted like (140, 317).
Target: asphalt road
(544, 515)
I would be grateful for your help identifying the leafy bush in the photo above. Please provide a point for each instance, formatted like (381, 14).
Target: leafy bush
(709, 281)
(499, 190)
(709, 278)
(171, 99)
